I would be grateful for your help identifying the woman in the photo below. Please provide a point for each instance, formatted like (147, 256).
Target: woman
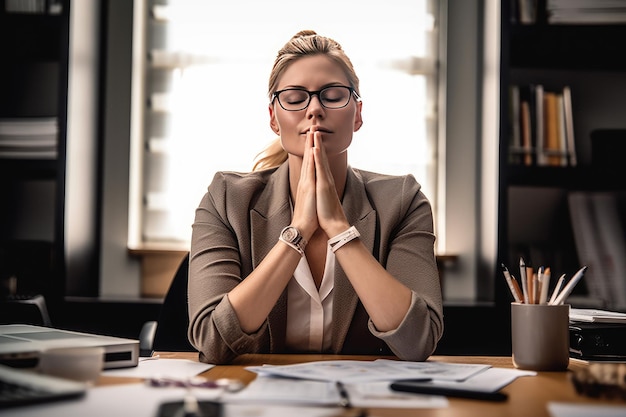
(307, 254)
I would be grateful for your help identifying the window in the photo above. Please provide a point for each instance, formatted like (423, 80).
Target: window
(193, 56)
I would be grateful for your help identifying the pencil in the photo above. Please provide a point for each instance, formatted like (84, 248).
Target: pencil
(509, 280)
(544, 284)
(522, 275)
(557, 288)
(518, 290)
(530, 277)
(570, 286)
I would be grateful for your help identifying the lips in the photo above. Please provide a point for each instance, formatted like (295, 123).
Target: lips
(317, 129)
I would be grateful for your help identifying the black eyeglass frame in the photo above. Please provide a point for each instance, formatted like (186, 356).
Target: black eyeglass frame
(317, 93)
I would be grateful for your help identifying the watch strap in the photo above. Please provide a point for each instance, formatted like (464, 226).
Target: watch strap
(343, 238)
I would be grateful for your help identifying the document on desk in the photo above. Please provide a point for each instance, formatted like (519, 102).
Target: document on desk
(369, 382)
(287, 391)
(379, 370)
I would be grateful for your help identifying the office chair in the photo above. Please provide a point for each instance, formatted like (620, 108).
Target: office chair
(169, 331)
(24, 309)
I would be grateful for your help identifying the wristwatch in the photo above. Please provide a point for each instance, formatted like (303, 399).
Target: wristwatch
(291, 236)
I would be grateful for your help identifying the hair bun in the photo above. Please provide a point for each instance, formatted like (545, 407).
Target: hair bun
(304, 33)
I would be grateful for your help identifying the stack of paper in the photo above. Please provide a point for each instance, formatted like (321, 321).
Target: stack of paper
(596, 316)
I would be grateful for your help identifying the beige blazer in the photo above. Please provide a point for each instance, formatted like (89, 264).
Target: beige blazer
(237, 223)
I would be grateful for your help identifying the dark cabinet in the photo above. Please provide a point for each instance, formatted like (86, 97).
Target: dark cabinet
(34, 42)
(534, 209)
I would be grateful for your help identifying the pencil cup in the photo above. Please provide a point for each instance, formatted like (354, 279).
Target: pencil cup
(540, 336)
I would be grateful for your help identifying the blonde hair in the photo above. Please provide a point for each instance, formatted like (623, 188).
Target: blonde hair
(303, 43)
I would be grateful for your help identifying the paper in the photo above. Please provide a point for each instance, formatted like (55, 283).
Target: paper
(139, 400)
(596, 316)
(161, 368)
(585, 410)
(276, 390)
(491, 380)
(379, 370)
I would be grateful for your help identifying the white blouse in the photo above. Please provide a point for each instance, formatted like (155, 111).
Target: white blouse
(309, 311)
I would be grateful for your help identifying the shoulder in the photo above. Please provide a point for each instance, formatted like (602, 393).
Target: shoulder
(386, 185)
(232, 181)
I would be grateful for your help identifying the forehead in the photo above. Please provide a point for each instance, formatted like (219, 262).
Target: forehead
(312, 72)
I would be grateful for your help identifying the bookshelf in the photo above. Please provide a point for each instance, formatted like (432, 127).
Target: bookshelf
(534, 215)
(34, 41)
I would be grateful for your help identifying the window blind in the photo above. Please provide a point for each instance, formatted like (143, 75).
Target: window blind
(201, 70)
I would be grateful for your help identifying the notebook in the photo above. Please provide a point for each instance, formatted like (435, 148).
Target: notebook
(20, 345)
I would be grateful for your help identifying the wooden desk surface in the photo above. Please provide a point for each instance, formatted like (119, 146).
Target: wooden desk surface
(528, 396)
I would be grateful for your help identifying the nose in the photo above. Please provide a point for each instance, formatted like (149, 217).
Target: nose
(315, 108)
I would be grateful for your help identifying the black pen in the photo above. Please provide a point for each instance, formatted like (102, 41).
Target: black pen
(343, 394)
(420, 387)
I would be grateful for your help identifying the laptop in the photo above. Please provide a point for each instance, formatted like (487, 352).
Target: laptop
(20, 345)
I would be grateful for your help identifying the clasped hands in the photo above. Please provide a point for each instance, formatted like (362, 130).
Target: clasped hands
(317, 202)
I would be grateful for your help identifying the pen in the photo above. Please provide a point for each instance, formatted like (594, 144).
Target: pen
(570, 286)
(343, 394)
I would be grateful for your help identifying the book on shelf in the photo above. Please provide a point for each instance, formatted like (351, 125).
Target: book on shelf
(515, 125)
(569, 126)
(553, 148)
(544, 124)
(29, 138)
(538, 104)
(600, 244)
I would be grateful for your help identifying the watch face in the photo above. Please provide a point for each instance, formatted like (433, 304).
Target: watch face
(290, 234)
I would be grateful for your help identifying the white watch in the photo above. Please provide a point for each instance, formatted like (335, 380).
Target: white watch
(292, 237)
(343, 238)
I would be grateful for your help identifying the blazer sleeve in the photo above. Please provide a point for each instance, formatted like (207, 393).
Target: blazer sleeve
(215, 268)
(407, 252)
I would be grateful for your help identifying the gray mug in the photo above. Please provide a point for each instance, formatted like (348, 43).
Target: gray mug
(540, 336)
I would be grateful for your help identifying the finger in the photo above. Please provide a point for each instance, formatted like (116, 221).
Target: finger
(322, 167)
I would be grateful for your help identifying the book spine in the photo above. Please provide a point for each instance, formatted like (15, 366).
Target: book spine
(569, 125)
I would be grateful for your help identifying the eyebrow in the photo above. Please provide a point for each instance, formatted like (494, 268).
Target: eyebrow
(300, 87)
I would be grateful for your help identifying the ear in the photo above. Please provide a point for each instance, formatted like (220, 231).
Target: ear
(273, 122)
(358, 117)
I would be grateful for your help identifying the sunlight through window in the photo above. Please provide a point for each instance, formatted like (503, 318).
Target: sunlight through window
(206, 74)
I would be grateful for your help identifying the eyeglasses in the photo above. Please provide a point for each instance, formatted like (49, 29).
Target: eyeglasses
(333, 97)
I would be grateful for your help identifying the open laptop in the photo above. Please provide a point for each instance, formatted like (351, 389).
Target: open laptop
(20, 345)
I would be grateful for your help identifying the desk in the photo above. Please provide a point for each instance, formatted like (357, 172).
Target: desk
(528, 396)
